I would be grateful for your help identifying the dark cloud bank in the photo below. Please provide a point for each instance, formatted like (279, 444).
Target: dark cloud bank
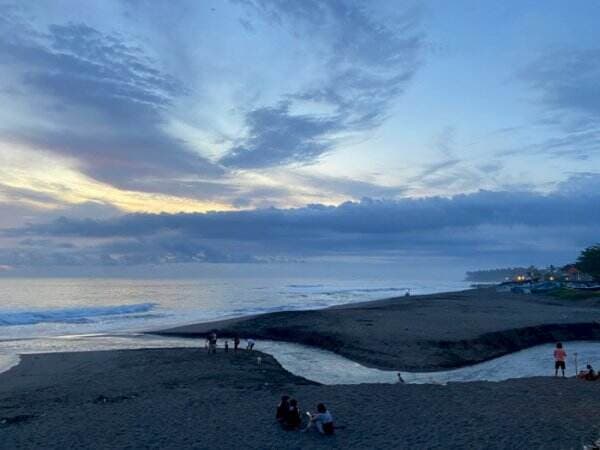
(524, 226)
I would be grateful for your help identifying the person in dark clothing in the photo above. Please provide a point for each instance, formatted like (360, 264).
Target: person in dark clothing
(236, 343)
(212, 343)
(293, 420)
(282, 408)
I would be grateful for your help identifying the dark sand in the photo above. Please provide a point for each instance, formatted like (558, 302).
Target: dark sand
(184, 398)
(429, 332)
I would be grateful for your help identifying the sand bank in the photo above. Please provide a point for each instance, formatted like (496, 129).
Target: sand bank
(420, 333)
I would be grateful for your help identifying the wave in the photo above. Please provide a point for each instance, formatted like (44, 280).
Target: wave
(304, 286)
(70, 315)
(366, 290)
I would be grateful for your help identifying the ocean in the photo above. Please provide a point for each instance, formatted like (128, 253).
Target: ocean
(38, 307)
(39, 315)
(45, 315)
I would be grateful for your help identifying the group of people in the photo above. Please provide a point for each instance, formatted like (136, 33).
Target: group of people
(211, 343)
(560, 358)
(289, 416)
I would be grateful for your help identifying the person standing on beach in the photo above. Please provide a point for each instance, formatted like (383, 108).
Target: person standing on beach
(236, 343)
(250, 345)
(560, 356)
(212, 343)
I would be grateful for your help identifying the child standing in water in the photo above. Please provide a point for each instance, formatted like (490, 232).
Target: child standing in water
(560, 357)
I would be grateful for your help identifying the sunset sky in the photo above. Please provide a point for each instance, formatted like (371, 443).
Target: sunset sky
(284, 131)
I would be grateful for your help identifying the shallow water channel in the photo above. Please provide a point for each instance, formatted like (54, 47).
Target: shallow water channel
(320, 365)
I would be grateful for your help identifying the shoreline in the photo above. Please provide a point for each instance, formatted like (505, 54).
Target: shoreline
(184, 398)
(420, 333)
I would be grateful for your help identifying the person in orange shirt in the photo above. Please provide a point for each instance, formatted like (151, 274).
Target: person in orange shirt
(560, 356)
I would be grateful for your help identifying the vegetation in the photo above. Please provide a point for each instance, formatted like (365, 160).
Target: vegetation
(589, 261)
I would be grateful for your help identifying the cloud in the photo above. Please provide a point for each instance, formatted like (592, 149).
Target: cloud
(522, 224)
(566, 86)
(367, 63)
(277, 137)
(99, 99)
(567, 80)
(348, 187)
(166, 248)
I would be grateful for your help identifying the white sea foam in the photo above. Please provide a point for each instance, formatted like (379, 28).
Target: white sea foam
(70, 315)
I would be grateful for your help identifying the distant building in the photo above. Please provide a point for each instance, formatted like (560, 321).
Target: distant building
(572, 273)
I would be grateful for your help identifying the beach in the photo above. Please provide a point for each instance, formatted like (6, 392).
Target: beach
(185, 398)
(423, 333)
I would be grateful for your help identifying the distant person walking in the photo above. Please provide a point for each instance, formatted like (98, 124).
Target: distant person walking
(560, 356)
(236, 343)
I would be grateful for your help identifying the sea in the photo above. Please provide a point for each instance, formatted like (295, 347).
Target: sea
(37, 307)
(54, 314)
(47, 315)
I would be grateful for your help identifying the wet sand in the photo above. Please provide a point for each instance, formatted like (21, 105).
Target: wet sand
(184, 398)
(420, 333)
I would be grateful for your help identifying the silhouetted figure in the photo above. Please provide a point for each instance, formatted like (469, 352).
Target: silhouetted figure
(588, 374)
(282, 408)
(236, 343)
(250, 344)
(292, 420)
(212, 343)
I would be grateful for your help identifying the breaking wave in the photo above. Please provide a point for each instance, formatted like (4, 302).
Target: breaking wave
(70, 315)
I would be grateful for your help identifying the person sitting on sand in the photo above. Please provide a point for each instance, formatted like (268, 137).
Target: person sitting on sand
(322, 419)
(589, 374)
(282, 408)
(560, 357)
(592, 374)
(292, 420)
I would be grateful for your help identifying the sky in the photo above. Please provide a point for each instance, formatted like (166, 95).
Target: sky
(136, 133)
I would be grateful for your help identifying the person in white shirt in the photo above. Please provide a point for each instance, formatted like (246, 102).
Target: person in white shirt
(323, 420)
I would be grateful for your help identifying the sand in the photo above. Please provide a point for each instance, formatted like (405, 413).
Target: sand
(422, 333)
(184, 398)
